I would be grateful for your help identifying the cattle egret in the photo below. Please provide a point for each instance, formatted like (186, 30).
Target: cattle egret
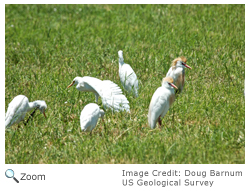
(89, 117)
(19, 106)
(177, 72)
(127, 76)
(161, 101)
(110, 93)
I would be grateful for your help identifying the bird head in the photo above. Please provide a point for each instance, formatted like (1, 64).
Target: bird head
(74, 82)
(42, 106)
(180, 62)
(168, 81)
(120, 54)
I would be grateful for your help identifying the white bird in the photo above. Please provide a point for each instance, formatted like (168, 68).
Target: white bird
(161, 101)
(89, 117)
(110, 93)
(127, 76)
(177, 72)
(19, 106)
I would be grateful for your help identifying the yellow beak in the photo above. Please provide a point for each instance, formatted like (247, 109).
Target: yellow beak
(70, 85)
(173, 85)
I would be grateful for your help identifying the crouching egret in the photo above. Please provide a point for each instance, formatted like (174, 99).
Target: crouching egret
(110, 93)
(177, 72)
(19, 106)
(127, 76)
(89, 117)
(161, 101)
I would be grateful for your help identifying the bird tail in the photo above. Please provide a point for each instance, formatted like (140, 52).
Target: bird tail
(151, 122)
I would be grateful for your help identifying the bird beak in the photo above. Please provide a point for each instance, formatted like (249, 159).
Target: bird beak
(70, 85)
(187, 66)
(173, 85)
(44, 114)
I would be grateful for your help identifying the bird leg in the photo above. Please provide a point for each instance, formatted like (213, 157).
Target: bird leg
(31, 115)
(159, 122)
(173, 117)
(96, 97)
(177, 92)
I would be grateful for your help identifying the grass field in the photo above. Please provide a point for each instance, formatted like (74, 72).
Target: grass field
(46, 46)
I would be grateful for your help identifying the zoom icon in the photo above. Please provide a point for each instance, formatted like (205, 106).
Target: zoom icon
(10, 174)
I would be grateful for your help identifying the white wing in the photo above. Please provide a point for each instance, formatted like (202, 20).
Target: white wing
(110, 93)
(89, 117)
(113, 98)
(158, 107)
(128, 79)
(16, 110)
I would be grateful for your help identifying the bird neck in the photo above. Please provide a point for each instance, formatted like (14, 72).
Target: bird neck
(167, 86)
(32, 105)
(121, 61)
(179, 67)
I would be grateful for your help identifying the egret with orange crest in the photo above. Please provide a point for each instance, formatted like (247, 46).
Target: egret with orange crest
(177, 72)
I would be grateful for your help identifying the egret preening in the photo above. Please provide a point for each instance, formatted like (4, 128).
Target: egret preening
(177, 72)
(89, 117)
(161, 101)
(110, 93)
(19, 106)
(127, 76)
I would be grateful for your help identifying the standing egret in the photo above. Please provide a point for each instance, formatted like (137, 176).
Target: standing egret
(19, 106)
(127, 76)
(89, 117)
(177, 72)
(110, 93)
(161, 101)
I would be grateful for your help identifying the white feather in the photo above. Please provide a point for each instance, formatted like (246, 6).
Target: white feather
(176, 72)
(18, 107)
(159, 104)
(127, 76)
(110, 93)
(89, 117)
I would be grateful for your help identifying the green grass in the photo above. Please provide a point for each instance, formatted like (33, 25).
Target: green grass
(46, 46)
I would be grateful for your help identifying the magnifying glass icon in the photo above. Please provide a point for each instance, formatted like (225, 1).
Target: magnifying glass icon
(10, 174)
